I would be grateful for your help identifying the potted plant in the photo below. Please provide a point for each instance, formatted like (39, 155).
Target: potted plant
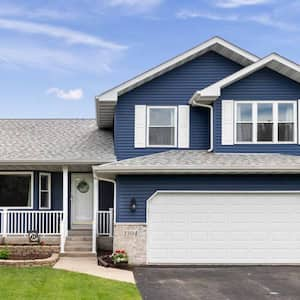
(119, 257)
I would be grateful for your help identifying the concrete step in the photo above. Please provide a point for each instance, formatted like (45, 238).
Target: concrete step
(78, 244)
(78, 254)
(80, 232)
(79, 238)
(72, 248)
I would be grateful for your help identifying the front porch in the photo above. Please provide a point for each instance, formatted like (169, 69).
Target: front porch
(55, 204)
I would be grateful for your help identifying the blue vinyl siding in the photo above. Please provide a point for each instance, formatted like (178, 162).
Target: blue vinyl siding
(262, 85)
(142, 187)
(173, 88)
(57, 191)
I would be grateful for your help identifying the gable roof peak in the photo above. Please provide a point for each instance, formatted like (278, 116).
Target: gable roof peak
(106, 101)
(273, 61)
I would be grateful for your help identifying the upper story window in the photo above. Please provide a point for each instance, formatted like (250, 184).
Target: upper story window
(45, 190)
(265, 122)
(161, 126)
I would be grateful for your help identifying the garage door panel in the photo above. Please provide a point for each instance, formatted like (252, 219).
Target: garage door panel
(224, 228)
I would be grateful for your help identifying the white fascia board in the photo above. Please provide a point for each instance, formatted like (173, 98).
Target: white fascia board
(213, 91)
(112, 94)
(170, 171)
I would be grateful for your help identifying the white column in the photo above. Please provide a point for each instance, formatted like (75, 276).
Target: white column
(65, 198)
(95, 209)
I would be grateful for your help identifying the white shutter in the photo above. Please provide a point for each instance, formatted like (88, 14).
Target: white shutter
(227, 122)
(140, 126)
(183, 126)
(298, 118)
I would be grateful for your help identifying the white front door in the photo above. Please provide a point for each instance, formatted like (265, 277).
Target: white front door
(82, 200)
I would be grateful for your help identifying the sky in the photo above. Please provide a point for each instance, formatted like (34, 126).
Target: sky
(57, 55)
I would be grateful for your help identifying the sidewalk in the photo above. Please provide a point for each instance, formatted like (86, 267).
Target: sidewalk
(88, 265)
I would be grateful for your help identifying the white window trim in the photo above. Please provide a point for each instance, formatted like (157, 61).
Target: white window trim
(175, 128)
(48, 191)
(31, 194)
(275, 122)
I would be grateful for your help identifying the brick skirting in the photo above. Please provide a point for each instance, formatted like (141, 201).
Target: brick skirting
(50, 261)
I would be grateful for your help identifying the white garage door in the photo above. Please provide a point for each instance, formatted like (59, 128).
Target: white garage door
(223, 228)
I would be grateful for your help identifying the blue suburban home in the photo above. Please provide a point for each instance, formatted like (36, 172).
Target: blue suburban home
(194, 161)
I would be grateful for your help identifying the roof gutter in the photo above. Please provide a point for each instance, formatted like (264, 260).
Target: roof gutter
(106, 174)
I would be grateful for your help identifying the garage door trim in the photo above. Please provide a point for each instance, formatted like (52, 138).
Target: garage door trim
(156, 193)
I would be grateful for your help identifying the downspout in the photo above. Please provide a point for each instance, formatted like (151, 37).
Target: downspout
(211, 109)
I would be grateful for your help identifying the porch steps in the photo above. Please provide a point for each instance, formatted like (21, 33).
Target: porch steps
(78, 254)
(79, 243)
(80, 232)
(79, 238)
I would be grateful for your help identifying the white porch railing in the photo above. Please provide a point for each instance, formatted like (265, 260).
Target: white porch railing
(15, 222)
(105, 222)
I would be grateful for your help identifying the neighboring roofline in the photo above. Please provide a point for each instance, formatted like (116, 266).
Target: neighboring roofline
(112, 94)
(52, 162)
(213, 92)
(47, 119)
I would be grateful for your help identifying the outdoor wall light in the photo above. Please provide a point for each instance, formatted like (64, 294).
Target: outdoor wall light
(132, 204)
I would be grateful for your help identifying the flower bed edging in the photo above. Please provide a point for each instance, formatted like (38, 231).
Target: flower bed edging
(50, 261)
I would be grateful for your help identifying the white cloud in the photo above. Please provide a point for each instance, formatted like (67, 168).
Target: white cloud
(263, 19)
(269, 20)
(66, 34)
(142, 5)
(191, 14)
(72, 94)
(238, 3)
(12, 10)
(35, 57)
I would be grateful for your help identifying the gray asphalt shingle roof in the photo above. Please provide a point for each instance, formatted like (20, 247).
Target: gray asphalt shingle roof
(196, 161)
(55, 140)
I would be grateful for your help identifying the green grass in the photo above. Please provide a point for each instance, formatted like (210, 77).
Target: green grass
(47, 283)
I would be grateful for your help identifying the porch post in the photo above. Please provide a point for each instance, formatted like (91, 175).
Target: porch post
(65, 198)
(95, 209)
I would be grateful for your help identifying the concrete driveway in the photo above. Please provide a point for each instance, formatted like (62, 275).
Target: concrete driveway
(218, 283)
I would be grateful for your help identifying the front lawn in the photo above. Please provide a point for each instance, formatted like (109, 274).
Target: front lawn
(47, 283)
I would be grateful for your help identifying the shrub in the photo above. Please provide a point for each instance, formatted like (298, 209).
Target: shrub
(119, 256)
(4, 253)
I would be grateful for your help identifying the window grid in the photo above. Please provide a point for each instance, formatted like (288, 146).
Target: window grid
(255, 121)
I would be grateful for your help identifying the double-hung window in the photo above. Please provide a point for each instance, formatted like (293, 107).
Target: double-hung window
(265, 122)
(45, 190)
(244, 122)
(286, 122)
(162, 126)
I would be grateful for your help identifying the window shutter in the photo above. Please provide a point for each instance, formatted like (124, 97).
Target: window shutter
(298, 118)
(140, 126)
(183, 126)
(227, 122)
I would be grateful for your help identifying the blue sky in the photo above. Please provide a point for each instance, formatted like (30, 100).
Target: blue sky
(56, 55)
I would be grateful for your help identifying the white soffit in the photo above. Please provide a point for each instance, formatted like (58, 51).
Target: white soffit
(273, 61)
(106, 101)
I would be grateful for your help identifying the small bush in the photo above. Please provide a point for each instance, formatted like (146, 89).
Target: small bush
(4, 253)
